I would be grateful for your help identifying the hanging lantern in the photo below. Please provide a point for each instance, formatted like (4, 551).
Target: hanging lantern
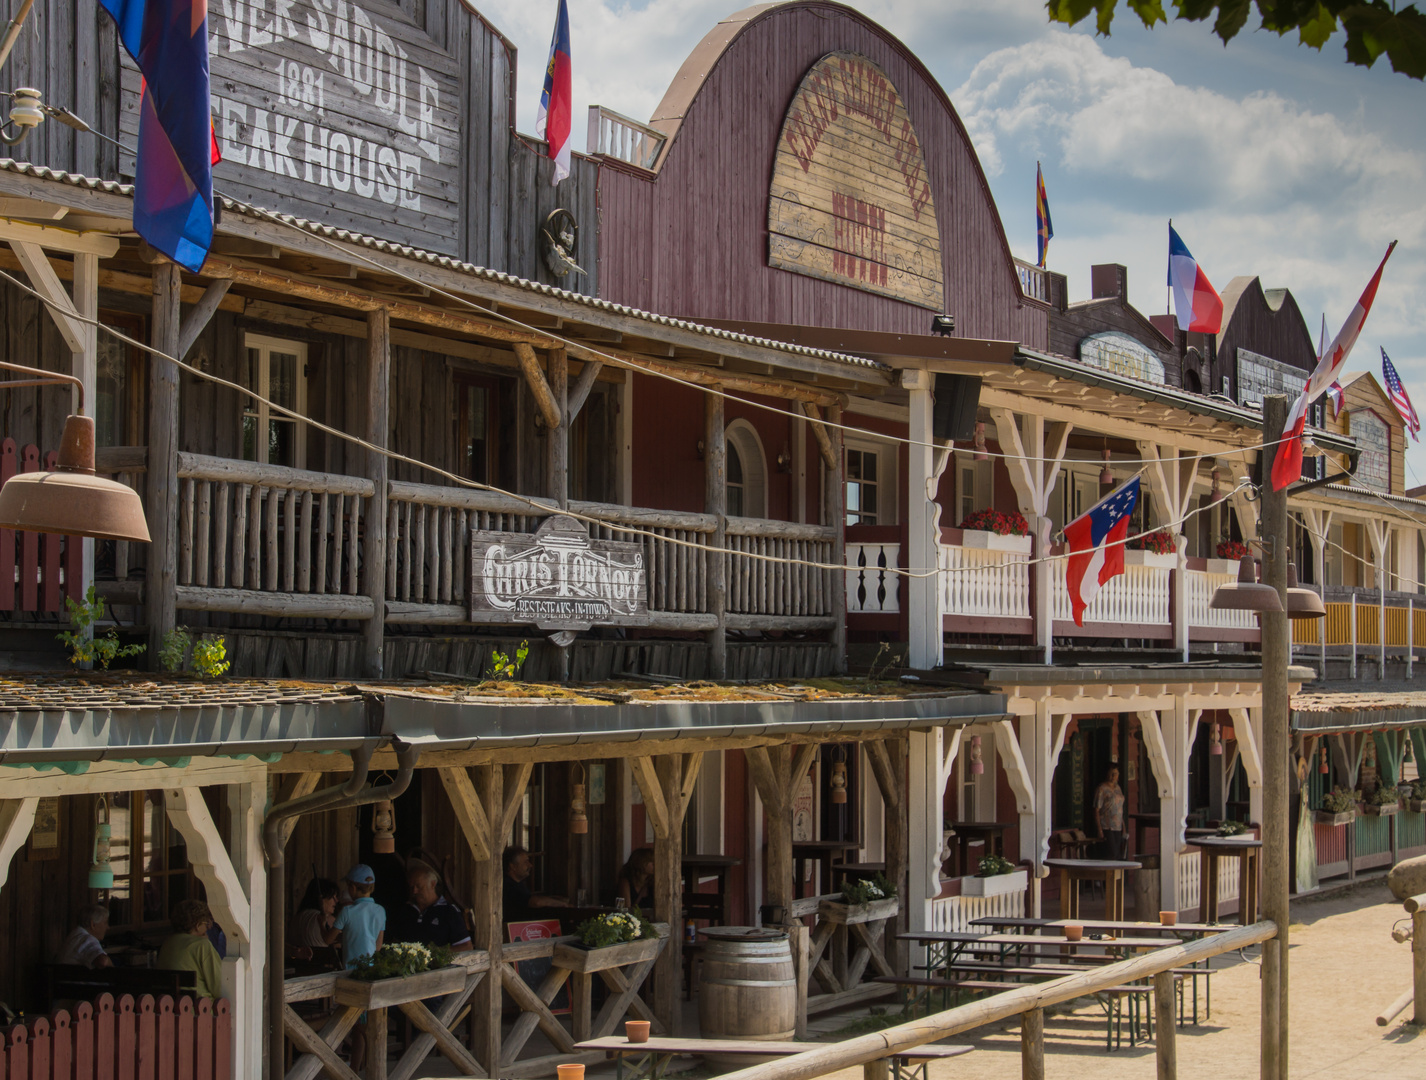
(1324, 768)
(383, 824)
(1216, 492)
(981, 451)
(977, 765)
(1406, 752)
(578, 818)
(101, 871)
(838, 779)
(1215, 740)
(1105, 476)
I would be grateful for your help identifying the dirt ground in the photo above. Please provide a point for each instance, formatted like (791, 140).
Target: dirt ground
(1344, 969)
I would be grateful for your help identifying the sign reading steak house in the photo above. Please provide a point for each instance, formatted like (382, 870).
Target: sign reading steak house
(850, 199)
(338, 112)
(557, 578)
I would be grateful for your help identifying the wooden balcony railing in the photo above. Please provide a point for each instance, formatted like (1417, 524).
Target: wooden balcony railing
(617, 136)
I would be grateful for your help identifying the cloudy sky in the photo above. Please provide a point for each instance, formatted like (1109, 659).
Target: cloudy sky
(1271, 158)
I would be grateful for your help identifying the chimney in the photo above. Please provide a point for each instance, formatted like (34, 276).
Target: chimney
(1109, 281)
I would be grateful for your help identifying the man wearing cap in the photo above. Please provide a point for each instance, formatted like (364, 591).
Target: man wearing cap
(428, 918)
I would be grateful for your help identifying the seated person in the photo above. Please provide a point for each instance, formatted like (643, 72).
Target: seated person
(188, 948)
(85, 944)
(636, 881)
(427, 917)
(519, 900)
(314, 918)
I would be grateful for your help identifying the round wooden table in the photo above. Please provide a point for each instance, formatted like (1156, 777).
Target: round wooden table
(1073, 870)
(1212, 850)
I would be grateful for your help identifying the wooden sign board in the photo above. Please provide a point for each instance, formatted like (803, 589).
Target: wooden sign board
(334, 111)
(851, 200)
(556, 578)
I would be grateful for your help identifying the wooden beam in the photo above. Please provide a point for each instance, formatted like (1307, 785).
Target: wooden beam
(557, 437)
(488, 923)
(886, 779)
(46, 282)
(535, 379)
(1016, 771)
(801, 766)
(819, 432)
(161, 581)
(208, 856)
(760, 768)
(470, 813)
(198, 317)
(17, 818)
(715, 502)
(59, 239)
(646, 772)
(692, 763)
(308, 1041)
(582, 387)
(373, 543)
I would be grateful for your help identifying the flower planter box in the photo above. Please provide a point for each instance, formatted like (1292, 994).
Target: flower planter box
(834, 911)
(1133, 557)
(978, 538)
(581, 959)
(997, 885)
(1222, 566)
(382, 993)
(1416, 806)
(1326, 817)
(1381, 811)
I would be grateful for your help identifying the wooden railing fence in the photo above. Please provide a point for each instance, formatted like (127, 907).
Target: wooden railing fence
(146, 1039)
(768, 595)
(37, 570)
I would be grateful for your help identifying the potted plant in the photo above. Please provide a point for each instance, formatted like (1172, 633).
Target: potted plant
(399, 972)
(997, 531)
(1383, 801)
(997, 877)
(1416, 803)
(1231, 828)
(1152, 549)
(1339, 807)
(863, 900)
(610, 940)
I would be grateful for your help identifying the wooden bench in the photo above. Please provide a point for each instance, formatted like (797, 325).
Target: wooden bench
(75, 982)
(651, 1059)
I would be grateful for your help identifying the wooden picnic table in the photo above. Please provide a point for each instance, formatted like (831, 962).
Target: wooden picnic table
(945, 948)
(652, 1057)
(1073, 870)
(1211, 851)
(1113, 925)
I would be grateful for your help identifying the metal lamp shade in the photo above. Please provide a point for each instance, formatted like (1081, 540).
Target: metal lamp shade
(1246, 594)
(1302, 603)
(72, 501)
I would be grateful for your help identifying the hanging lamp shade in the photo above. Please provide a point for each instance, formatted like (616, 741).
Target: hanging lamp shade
(72, 501)
(101, 870)
(1105, 476)
(1302, 603)
(1246, 594)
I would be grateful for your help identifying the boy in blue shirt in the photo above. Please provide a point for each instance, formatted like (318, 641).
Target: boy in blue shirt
(362, 926)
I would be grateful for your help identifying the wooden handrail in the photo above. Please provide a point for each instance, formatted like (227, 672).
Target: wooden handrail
(904, 1037)
(783, 530)
(230, 470)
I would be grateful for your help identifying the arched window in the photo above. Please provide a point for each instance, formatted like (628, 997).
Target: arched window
(747, 471)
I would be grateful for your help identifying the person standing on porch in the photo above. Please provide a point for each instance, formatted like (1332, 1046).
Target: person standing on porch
(85, 944)
(1109, 814)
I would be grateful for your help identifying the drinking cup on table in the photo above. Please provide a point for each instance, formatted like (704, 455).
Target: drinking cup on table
(1168, 918)
(570, 1072)
(637, 1031)
(1073, 931)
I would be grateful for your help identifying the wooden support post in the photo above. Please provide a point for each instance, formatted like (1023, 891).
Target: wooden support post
(535, 379)
(888, 765)
(775, 771)
(715, 503)
(378, 395)
(877, 1069)
(1032, 1045)
(799, 938)
(376, 1044)
(487, 902)
(85, 367)
(1165, 1030)
(833, 501)
(1418, 965)
(557, 366)
(17, 819)
(161, 584)
(579, 392)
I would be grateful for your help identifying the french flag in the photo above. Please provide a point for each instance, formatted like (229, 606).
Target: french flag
(556, 115)
(1096, 543)
(1199, 307)
(1287, 464)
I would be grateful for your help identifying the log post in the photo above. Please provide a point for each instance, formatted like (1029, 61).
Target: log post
(160, 586)
(1166, 1051)
(378, 394)
(557, 368)
(715, 503)
(775, 771)
(888, 764)
(1032, 1045)
(1418, 965)
(487, 902)
(835, 513)
(84, 366)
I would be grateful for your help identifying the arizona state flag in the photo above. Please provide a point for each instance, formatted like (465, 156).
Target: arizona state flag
(173, 182)
(1044, 229)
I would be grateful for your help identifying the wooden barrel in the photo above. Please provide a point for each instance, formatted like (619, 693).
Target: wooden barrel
(748, 987)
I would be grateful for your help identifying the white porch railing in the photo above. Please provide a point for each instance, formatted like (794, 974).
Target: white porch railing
(1201, 586)
(1033, 281)
(1138, 597)
(1190, 887)
(984, 582)
(954, 914)
(871, 588)
(621, 137)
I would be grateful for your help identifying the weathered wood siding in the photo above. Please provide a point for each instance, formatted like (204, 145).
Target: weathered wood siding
(693, 239)
(1274, 329)
(1078, 321)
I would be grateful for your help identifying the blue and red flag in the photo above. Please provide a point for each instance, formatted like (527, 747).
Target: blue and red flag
(1199, 307)
(173, 182)
(1044, 229)
(1096, 543)
(556, 115)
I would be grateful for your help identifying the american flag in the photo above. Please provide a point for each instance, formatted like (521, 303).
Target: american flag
(1399, 397)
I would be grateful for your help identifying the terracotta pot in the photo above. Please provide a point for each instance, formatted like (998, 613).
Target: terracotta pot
(1168, 918)
(570, 1072)
(1073, 931)
(637, 1031)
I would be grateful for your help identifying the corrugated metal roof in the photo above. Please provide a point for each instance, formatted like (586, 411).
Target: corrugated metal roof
(232, 206)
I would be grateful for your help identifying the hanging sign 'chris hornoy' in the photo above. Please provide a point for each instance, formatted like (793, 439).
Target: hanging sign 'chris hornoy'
(557, 578)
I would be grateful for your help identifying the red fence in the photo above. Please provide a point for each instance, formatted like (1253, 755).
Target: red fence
(146, 1040)
(39, 584)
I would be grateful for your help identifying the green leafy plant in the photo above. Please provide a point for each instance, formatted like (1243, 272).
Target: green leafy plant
(994, 866)
(210, 656)
(1384, 795)
(615, 928)
(1418, 789)
(502, 667)
(1339, 800)
(84, 648)
(173, 652)
(399, 960)
(865, 890)
(1232, 828)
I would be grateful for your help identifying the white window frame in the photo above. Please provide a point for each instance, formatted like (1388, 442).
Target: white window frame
(266, 346)
(888, 509)
(743, 439)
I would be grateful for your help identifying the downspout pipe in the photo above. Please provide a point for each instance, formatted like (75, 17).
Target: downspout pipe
(355, 792)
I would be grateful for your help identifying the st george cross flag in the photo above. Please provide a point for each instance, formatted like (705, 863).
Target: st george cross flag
(1044, 229)
(1096, 544)
(1287, 464)
(556, 114)
(1399, 397)
(1335, 393)
(173, 182)
(1199, 307)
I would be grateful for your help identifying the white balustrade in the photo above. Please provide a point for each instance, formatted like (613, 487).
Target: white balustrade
(617, 136)
(1201, 586)
(1033, 281)
(871, 587)
(1137, 597)
(984, 582)
(954, 914)
(1190, 888)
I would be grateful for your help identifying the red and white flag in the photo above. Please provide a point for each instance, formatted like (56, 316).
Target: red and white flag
(1287, 465)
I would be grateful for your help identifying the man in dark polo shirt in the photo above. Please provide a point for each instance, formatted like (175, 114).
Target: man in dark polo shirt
(519, 900)
(427, 917)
